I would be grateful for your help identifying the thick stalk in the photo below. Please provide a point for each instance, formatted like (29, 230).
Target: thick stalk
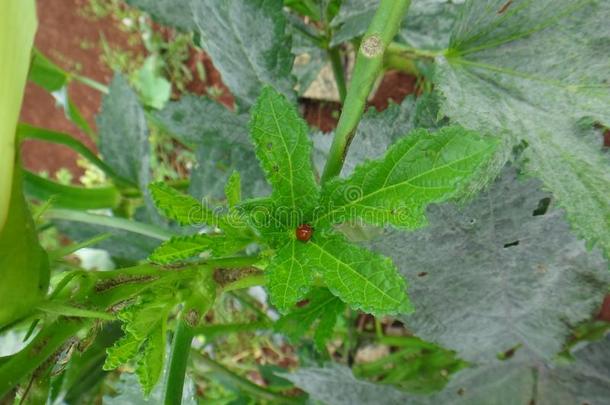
(369, 63)
(181, 347)
(17, 28)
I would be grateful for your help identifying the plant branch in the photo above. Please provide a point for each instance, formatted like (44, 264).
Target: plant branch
(181, 347)
(369, 63)
(111, 222)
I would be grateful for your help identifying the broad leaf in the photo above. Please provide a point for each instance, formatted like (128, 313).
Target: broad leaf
(420, 169)
(181, 207)
(320, 304)
(513, 274)
(195, 120)
(361, 278)
(216, 163)
(248, 44)
(124, 133)
(175, 13)
(515, 382)
(532, 71)
(288, 278)
(222, 142)
(283, 147)
(427, 24)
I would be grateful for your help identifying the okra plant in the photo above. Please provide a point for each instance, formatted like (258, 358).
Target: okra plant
(469, 224)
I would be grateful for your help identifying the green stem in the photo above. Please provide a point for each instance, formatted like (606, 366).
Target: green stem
(245, 282)
(65, 196)
(91, 83)
(111, 222)
(369, 63)
(181, 347)
(201, 361)
(335, 59)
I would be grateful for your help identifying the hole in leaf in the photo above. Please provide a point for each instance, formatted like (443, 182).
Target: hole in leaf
(515, 243)
(543, 207)
(422, 274)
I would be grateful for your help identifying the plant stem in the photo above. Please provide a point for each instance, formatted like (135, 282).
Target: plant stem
(245, 282)
(369, 63)
(181, 347)
(71, 197)
(335, 59)
(111, 222)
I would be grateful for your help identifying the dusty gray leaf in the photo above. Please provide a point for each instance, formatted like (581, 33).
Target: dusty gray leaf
(215, 163)
(175, 13)
(532, 71)
(520, 381)
(248, 43)
(492, 276)
(195, 120)
(123, 132)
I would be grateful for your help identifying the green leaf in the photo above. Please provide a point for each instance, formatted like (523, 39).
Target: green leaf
(532, 71)
(181, 207)
(283, 147)
(420, 169)
(184, 247)
(361, 278)
(248, 44)
(55, 80)
(261, 216)
(154, 89)
(233, 189)
(46, 74)
(123, 350)
(516, 382)
(320, 304)
(288, 278)
(150, 365)
(124, 133)
(513, 273)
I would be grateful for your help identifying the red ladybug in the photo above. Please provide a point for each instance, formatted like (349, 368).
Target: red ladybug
(304, 232)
